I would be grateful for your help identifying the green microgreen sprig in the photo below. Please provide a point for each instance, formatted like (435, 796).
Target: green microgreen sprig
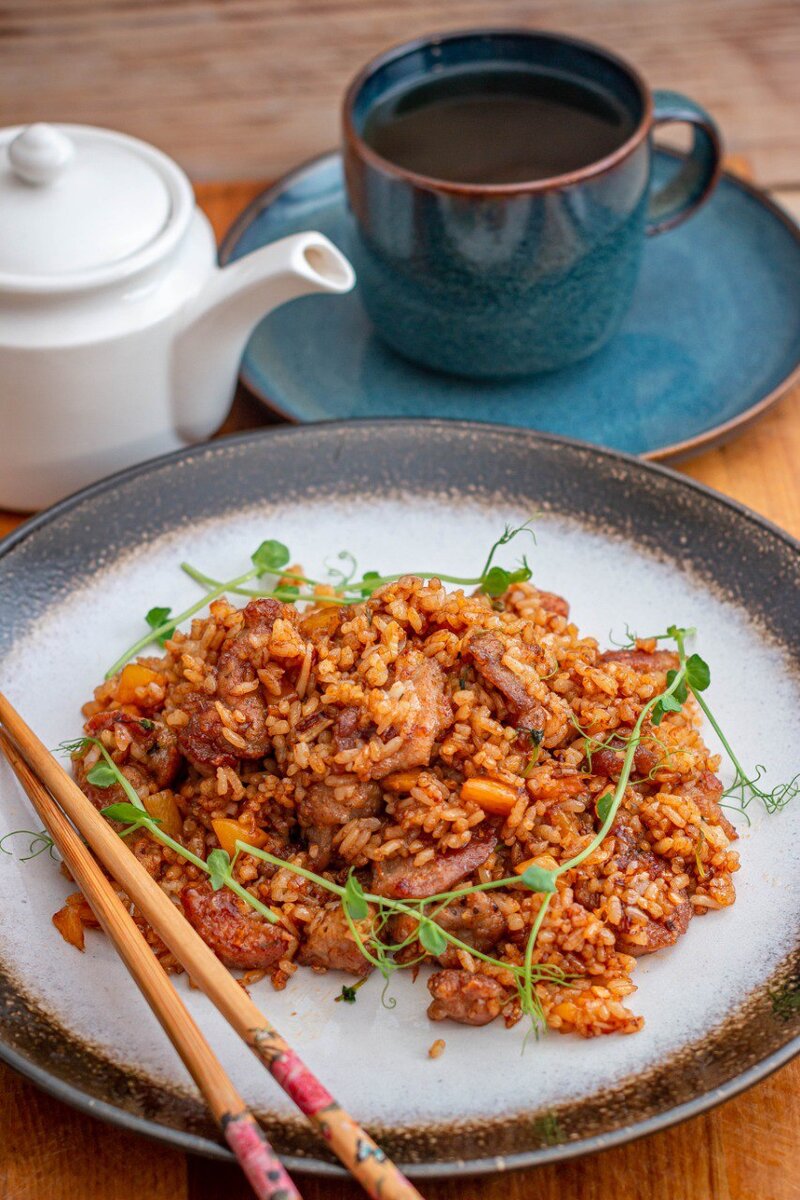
(272, 557)
(268, 558)
(746, 786)
(39, 843)
(133, 814)
(359, 906)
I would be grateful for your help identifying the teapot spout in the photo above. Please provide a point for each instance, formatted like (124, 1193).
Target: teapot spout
(215, 327)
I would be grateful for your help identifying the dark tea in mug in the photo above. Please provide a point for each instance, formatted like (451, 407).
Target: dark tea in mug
(499, 182)
(497, 124)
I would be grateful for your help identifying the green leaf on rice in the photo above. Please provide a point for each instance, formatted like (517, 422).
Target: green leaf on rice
(432, 939)
(219, 868)
(102, 776)
(354, 901)
(128, 812)
(270, 556)
(538, 879)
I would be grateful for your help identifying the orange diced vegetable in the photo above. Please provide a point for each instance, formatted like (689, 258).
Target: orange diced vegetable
(162, 806)
(545, 861)
(78, 901)
(68, 923)
(320, 620)
(400, 781)
(133, 678)
(289, 579)
(229, 831)
(490, 794)
(560, 787)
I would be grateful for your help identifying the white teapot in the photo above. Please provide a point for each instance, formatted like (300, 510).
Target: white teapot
(120, 338)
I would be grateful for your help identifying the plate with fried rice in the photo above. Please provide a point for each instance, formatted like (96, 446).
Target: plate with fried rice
(471, 752)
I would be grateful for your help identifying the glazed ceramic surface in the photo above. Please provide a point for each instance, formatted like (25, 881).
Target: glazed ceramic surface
(119, 337)
(497, 281)
(712, 338)
(626, 542)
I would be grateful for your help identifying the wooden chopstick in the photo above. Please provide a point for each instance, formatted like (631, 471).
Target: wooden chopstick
(243, 1134)
(351, 1144)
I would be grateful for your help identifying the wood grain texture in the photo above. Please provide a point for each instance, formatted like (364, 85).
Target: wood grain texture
(246, 88)
(745, 1150)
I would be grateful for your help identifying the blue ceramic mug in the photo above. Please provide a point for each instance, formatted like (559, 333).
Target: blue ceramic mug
(500, 280)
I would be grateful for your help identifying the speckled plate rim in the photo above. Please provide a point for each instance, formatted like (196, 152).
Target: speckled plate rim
(198, 1144)
(675, 452)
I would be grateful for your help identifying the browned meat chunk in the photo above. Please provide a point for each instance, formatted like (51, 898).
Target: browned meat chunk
(706, 793)
(345, 729)
(477, 921)
(150, 761)
(607, 762)
(464, 997)
(659, 933)
(550, 602)
(203, 741)
(430, 715)
(323, 810)
(400, 879)
(329, 944)
(643, 660)
(236, 935)
(153, 746)
(633, 859)
(487, 651)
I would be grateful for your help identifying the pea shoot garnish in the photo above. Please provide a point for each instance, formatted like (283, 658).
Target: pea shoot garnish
(693, 678)
(349, 993)
(134, 816)
(272, 558)
(39, 843)
(267, 559)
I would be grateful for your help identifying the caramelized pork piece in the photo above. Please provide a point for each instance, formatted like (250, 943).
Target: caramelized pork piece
(400, 879)
(206, 741)
(429, 717)
(660, 934)
(328, 943)
(238, 936)
(643, 660)
(476, 920)
(706, 793)
(607, 762)
(550, 602)
(464, 997)
(486, 651)
(323, 810)
(633, 860)
(345, 729)
(150, 760)
(201, 741)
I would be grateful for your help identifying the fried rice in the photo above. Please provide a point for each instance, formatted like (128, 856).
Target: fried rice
(340, 739)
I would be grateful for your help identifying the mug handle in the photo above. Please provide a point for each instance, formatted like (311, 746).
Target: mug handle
(694, 182)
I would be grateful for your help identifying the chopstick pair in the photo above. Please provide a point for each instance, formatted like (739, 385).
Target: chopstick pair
(44, 779)
(245, 1137)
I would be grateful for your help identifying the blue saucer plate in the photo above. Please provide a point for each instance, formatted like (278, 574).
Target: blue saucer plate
(711, 342)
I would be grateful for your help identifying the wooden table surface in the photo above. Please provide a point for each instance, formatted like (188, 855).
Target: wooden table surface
(745, 1150)
(243, 89)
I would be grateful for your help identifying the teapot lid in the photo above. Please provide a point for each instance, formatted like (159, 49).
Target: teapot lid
(84, 205)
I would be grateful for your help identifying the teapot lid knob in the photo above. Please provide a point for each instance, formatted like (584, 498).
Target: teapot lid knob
(40, 153)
